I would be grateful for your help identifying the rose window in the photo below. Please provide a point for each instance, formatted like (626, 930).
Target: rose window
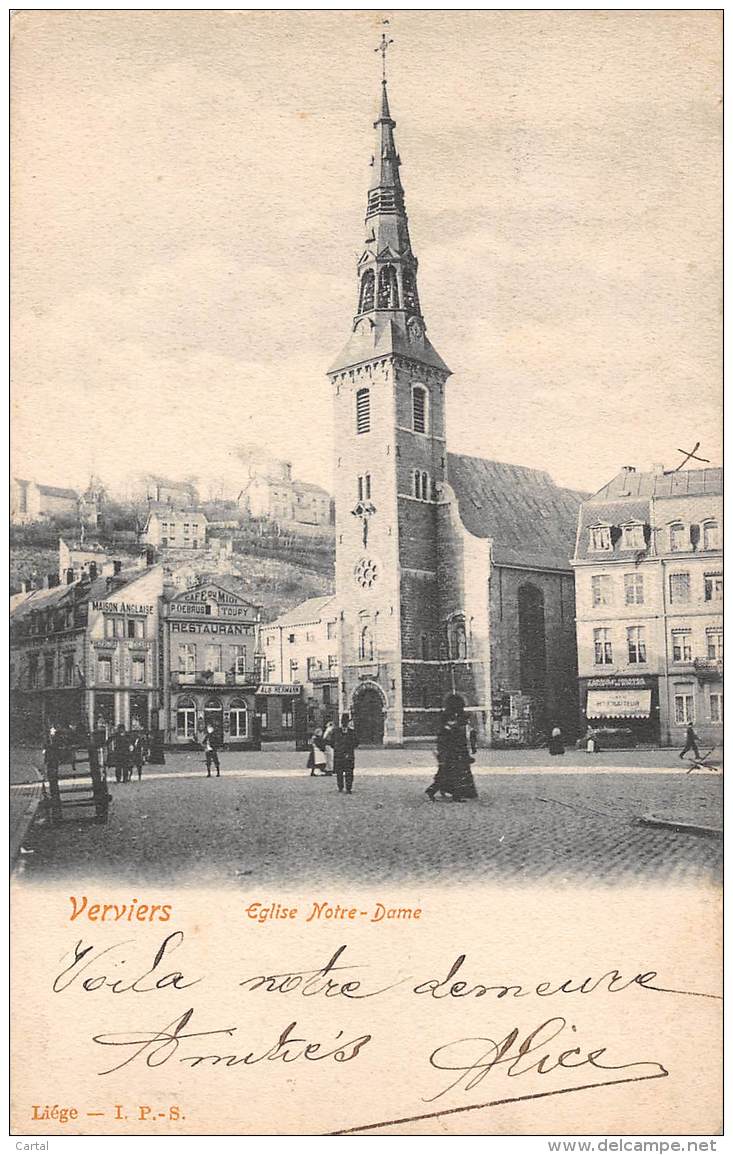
(365, 573)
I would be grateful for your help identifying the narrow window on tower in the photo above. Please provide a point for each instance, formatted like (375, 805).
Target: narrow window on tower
(367, 486)
(366, 296)
(425, 487)
(360, 488)
(387, 295)
(419, 409)
(362, 411)
(416, 483)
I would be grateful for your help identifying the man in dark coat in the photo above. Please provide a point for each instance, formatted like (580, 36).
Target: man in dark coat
(120, 754)
(691, 741)
(344, 745)
(211, 747)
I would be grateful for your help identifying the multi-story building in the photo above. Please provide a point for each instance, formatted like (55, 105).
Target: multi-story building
(168, 528)
(648, 589)
(30, 501)
(211, 672)
(271, 491)
(179, 494)
(84, 652)
(452, 572)
(301, 648)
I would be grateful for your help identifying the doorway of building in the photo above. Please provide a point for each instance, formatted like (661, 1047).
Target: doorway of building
(214, 716)
(368, 713)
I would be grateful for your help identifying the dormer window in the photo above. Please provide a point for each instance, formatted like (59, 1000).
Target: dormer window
(419, 409)
(678, 538)
(711, 535)
(600, 538)
(632, 536)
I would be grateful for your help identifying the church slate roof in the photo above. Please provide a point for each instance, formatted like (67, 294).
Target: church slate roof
(531, 521)
(382, 336)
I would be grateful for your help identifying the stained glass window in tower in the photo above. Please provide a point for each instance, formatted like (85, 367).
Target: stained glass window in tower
(387, 294)
(366, 296)
(362, 411)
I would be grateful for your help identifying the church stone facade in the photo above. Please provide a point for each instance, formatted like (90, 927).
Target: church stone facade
(452, 573)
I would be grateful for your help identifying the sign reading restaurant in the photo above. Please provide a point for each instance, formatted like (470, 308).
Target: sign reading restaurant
(210, 628)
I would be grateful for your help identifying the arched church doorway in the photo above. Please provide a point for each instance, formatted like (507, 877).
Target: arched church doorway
(368, 712)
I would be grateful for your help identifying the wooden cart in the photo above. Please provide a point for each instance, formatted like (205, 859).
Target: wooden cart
(79, 781)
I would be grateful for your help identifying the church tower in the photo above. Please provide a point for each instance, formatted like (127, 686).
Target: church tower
(390, 447)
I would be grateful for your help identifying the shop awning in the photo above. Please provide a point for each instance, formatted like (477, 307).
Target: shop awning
(619, 704)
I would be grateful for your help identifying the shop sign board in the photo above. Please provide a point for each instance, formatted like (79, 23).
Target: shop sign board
(626, 703)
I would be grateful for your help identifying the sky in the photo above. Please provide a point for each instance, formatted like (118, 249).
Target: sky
(189, 190)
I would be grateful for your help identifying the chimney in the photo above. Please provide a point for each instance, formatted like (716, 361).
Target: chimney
(92, 571)
(628, 469)
(117, 568)
(657, 468)
(69, 575)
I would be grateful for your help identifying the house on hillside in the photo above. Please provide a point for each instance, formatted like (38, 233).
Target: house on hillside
(168, 528)
(30, 501)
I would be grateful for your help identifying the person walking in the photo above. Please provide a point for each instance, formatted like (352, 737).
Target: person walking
(691, 740)
(454, 777)
(317, 758)
(120, 753)
(211, 751)
(137, 746)
(344, 745)
(556, 745)
(328, 732)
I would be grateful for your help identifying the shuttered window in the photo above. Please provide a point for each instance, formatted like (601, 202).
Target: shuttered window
(362, 411)
(419, 422)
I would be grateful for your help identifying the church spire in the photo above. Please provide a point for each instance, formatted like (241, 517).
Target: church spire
(388, 312)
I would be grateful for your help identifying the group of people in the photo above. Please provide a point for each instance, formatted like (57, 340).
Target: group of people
(128, 750)
(332, 751)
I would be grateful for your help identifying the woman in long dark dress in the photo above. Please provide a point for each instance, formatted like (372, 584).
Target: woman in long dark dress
(454, 775)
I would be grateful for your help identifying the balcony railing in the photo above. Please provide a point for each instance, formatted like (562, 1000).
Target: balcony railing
(215, 678)
(708, 669)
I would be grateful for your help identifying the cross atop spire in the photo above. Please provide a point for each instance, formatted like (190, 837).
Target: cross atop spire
(382, 47)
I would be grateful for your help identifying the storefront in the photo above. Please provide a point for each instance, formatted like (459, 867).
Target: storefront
(281, 713)
(209, 636)
(626, 708)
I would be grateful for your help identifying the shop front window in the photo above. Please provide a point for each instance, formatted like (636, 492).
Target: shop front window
(238, 718)
(684, 708)
(186, 718)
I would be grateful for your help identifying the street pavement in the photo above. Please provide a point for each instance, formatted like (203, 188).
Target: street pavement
(267, 822)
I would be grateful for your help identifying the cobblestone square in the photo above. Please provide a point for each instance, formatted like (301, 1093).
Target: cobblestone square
(267, 822)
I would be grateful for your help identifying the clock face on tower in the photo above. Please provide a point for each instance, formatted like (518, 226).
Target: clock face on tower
(365, 572)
